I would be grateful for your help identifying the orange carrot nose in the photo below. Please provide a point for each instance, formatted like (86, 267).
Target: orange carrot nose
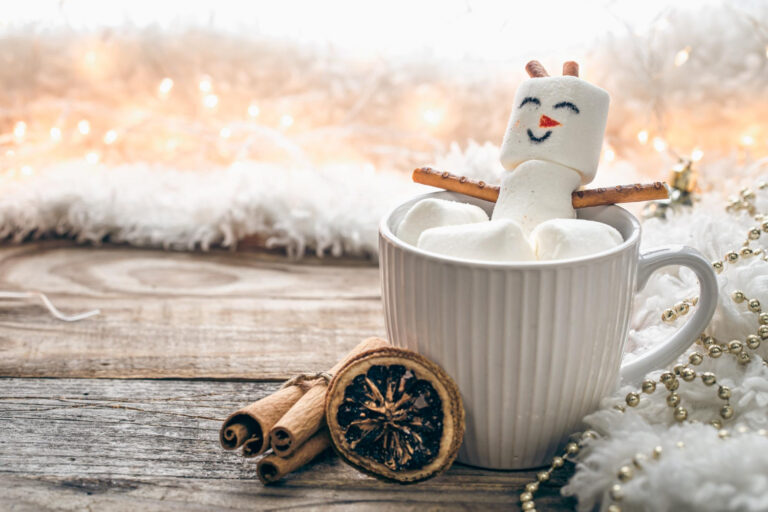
(546, 122)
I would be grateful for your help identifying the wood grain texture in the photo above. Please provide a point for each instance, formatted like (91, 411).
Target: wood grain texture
(102, 444)
(220, 315)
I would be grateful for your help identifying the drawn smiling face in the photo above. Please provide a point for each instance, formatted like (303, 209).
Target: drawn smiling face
(544, 120)
(557, 119)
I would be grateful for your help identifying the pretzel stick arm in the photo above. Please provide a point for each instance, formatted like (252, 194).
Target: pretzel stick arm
(620, 194)
(460, 184)
(581, 198)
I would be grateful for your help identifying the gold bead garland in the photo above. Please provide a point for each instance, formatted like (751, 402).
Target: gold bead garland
(713, 349)
(740, 349)
(670, 381)
(571, 449)
(745, 201)
(680, 309)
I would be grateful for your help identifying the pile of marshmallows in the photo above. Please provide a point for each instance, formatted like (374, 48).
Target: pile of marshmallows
(551, 147)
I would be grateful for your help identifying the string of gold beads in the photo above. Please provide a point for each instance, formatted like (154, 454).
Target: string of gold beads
(745, 201)
(571, 449)
(680, 309)
(671, 381)
(753, 304)
(737, 347)
(626, 473)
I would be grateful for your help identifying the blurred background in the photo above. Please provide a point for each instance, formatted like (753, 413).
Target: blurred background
(294, 125)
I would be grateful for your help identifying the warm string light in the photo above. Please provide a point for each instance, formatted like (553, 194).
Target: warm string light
(682, 56)
(90, 58)
(205, 84)
(210, 100)
(110, 137)
(166, 84)
(286, 120)
(697, 154)
(431, 116)
(609, 155)
(84, 127)
(19, 130)
(660, 145)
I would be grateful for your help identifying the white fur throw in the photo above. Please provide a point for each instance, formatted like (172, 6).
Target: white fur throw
(698, 470)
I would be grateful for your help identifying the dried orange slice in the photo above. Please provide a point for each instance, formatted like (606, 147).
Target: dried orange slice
(396, 415)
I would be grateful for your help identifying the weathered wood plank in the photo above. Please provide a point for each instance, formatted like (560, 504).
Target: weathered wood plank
(74, 444)
(182, 315)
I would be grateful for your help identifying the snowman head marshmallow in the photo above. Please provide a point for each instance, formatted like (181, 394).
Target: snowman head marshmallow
(559, 119)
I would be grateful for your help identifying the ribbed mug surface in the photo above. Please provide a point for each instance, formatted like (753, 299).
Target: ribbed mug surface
(532, 346)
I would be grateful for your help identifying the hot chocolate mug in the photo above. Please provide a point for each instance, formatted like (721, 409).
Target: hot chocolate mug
(533, 346)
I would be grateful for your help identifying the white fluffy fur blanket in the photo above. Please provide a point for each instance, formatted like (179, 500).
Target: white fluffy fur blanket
(698, 470)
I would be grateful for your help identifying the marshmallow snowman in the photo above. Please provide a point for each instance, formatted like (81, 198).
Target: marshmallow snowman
(552, 146)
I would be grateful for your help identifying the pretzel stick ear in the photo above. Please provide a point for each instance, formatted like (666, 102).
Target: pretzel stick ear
(535, 69)
(571, 68)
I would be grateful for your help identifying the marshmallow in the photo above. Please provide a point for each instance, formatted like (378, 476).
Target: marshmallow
(431, 213)
(487, 241)
(536, 191)
(559, 239)
(559, 119)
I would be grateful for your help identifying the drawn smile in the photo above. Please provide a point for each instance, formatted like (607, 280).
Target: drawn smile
(538, 140)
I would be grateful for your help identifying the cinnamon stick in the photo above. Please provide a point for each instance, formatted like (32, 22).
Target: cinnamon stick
(249, 427)
(581, 198)
(307, 415)
(272, 468)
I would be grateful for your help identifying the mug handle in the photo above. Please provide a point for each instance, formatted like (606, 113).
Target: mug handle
(666, 352)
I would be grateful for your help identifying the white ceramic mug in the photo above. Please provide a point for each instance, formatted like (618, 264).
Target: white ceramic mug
(533, 346)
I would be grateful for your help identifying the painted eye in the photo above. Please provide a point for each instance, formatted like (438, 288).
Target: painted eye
(567, 104)
(530, 99)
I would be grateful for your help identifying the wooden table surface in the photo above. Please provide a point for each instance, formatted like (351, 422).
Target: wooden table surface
(122, 411)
